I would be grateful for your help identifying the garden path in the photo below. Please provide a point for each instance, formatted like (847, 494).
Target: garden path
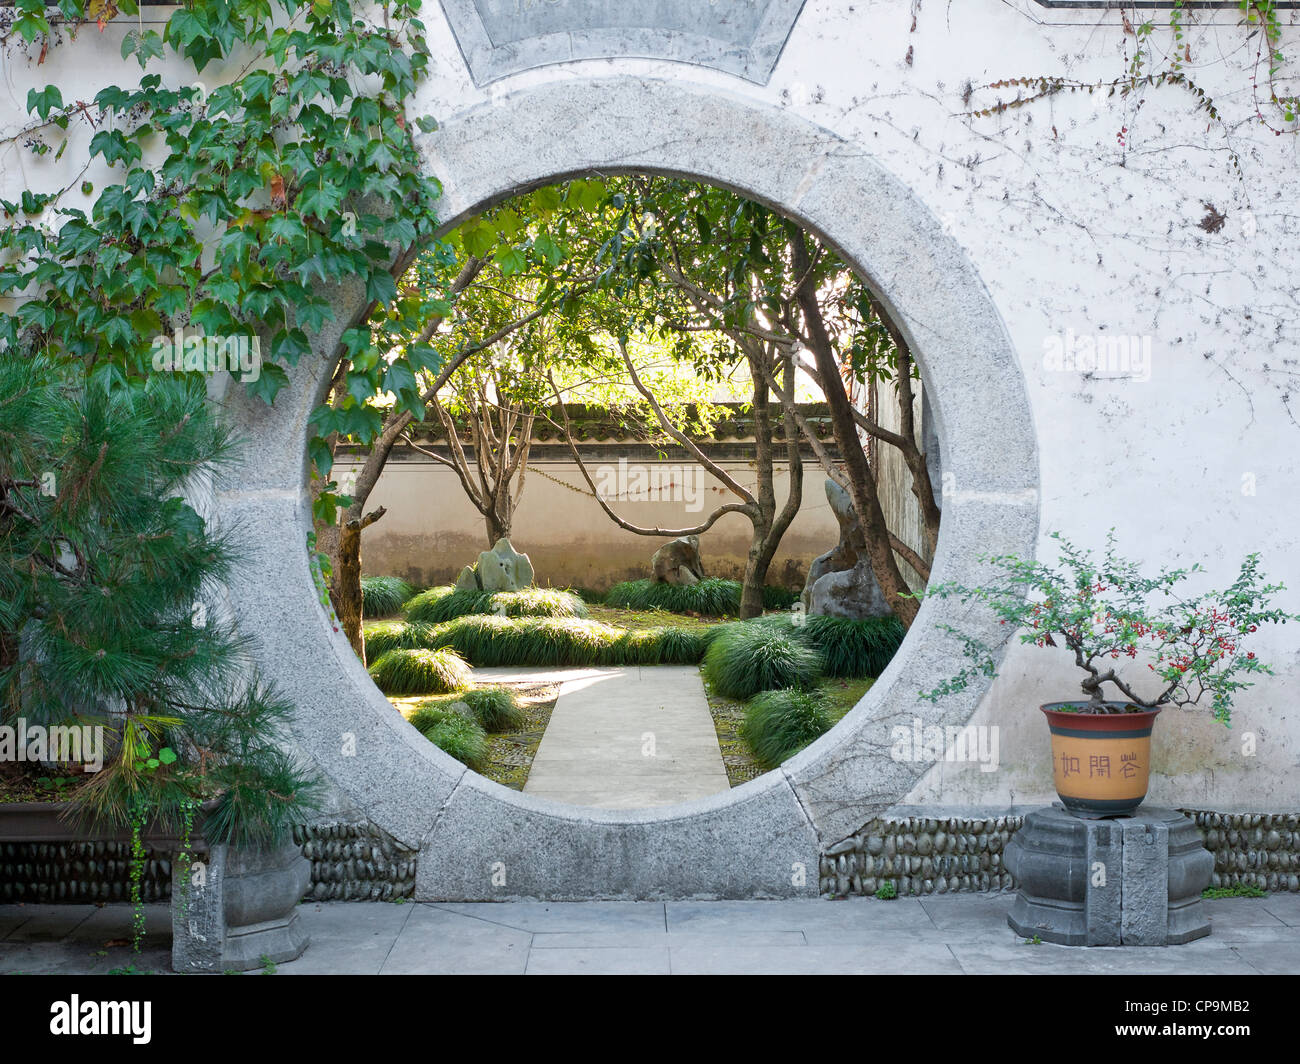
(624, 737)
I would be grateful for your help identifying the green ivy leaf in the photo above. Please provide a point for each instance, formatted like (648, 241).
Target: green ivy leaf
(268, 384)
(45, 101)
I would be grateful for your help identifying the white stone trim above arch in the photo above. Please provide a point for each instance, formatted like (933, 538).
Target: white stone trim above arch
(498, 38)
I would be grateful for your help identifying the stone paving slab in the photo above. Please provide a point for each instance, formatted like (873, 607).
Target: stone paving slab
(1266, 959)
(538, 916)
(920, 959)
(44, 923)
(649, 939)
(937, 935)
(627, 738)
(653, 960)
(349, 938)
(1049, 959)
(1286, 907)
(67, 957)
(438, 941)
(798, 915)
(1242, 912)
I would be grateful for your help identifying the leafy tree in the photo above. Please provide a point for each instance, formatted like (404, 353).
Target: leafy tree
(494, 269)
(235, 211)
(708, 263)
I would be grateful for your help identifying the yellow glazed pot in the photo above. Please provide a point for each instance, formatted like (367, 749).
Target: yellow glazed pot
(1101, 761)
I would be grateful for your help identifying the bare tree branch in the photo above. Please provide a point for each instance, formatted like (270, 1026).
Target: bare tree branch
(673, 533)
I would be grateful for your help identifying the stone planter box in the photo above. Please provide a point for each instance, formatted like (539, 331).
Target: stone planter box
(230, 909)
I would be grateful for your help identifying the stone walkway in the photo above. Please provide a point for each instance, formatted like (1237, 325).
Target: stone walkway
(624, 738)
(954, 934)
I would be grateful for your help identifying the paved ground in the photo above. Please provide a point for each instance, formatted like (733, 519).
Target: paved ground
(624, 738)
(959, 934)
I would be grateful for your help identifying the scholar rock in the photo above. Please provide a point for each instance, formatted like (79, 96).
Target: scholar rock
(841, 582)
(500, 569)
(678, 562)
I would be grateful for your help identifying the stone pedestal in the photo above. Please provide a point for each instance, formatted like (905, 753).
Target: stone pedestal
(1128, 881)
(239, 909)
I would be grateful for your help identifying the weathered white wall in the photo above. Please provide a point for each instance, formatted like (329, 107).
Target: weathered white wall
(1192, 458)
(431, 528)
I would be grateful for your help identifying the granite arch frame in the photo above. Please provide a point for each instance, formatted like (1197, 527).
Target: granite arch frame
(480, 841)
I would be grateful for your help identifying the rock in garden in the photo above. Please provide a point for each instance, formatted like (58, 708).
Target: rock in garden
(844, 555)
(503, 569)
(678, 562)
(840, 582)
(853, 593)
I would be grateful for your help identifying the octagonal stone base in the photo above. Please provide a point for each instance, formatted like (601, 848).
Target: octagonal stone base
(1129, 881)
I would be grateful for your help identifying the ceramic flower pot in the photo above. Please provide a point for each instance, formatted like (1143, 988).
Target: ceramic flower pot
(1101, 761)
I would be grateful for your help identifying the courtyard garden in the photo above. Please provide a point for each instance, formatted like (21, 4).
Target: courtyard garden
(515, 486)
(774, 684)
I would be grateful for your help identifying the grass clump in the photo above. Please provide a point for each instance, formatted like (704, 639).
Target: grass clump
(383, 636)
(779, 598)
(658, 646)
(416, 672)
(743, 659)
(714, 597)
(489, 640)
(664, 645)
(441, 604)
(495, 709)
(778, 724)
(854, 648)
(384, 596)
(453, 733)
(849, 648)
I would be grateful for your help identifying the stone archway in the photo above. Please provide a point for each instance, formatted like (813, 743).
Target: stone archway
(478, 840)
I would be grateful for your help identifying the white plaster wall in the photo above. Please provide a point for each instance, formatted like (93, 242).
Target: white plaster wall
(431, 528)
(1069, 232)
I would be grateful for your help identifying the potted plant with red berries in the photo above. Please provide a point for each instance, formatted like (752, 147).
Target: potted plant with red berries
(1142, 643)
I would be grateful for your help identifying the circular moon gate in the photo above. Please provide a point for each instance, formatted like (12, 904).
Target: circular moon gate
(478, 840)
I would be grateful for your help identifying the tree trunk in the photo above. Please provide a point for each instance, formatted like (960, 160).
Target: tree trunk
(761, 550)
(346, 592)
(862, 481)
(498, 526)
(769, 525)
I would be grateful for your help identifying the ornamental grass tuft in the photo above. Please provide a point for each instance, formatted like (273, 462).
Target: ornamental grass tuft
(441, 604)
(745, 658)
(778, 724)
(454, 733)
(496, 709)
(710, 598)
(418, 672)
(384, 596)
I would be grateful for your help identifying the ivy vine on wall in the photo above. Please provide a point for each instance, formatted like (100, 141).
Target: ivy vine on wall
(239, 198)
(1149, 66)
